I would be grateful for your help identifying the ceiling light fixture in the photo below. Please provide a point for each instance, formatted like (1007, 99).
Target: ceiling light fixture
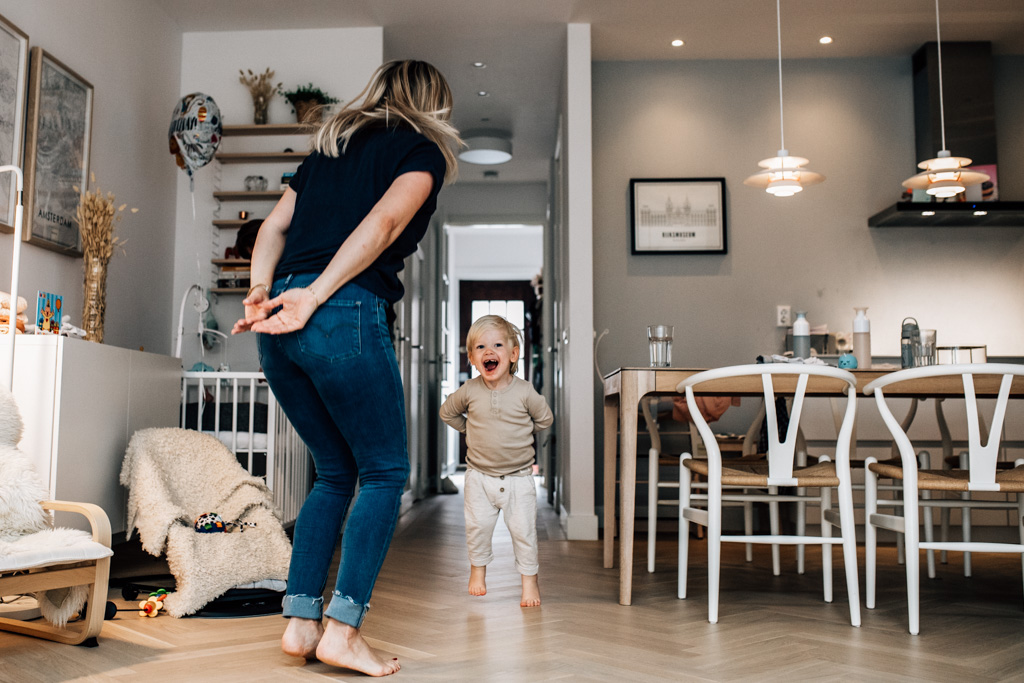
(677, 43)
(487, 147)
(479, 65)
(945, 175)
(483, 93)
(825, 40)
(783, 175)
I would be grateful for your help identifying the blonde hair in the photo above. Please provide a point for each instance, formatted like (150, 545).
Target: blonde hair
(486, 323)
(408, 90)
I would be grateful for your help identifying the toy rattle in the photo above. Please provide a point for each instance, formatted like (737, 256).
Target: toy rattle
(151, 606)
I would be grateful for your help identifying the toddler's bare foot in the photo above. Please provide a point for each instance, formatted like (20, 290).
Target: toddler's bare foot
(531, 592)
(477, 580)
(342, 646)
(301, 637)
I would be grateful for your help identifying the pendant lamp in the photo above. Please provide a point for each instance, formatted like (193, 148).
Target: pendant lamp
(783, 175)
(945, 175)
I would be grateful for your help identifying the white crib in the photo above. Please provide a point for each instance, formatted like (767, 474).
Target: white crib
(240, 410)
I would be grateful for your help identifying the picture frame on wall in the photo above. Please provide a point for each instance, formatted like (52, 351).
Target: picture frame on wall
(57, 145)
(13, 81)
(677, 216)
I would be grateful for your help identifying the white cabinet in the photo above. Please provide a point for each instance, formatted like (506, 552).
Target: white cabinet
(81, 402)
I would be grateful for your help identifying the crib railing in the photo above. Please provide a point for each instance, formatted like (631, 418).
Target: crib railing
(241, 411)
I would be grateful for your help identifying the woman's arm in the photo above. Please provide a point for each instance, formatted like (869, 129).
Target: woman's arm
(375, 233)
(265, 255)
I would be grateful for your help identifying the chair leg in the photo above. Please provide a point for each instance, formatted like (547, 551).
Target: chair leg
(684, 530)
(748, 528)
(870, 540)
(714, 551)
(773, 515)
(924, 463)
(913, 574)
(801, 530)
(652, 506)
(848, 530)
(965, 521)
(1020, 525)
(826, 548)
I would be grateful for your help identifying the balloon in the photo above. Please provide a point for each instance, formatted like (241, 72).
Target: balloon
(195, 131)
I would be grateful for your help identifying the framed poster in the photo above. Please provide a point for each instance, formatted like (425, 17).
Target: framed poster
(56, 153)
(677, 215)
(13, 79)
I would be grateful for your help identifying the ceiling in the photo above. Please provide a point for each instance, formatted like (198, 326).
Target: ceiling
(522, 42)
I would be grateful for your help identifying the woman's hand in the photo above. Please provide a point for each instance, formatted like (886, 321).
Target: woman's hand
(254, 310)
(296, 308)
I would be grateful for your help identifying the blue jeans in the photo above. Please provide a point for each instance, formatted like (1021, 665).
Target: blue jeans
(337, 381)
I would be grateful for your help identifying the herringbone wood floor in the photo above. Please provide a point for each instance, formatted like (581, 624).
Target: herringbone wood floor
(771, 629)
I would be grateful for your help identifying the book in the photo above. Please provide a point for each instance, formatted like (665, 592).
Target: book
(48, 312)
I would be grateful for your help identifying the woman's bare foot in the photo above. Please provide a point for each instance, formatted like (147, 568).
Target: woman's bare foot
(342, 646)
(301, 637)
(477, 580)
(531, 592)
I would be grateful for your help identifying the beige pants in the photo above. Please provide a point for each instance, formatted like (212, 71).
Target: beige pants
(516, 497)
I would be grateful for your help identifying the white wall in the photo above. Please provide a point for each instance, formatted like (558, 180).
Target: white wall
(854, 119)
(339, 61)
(130, 52)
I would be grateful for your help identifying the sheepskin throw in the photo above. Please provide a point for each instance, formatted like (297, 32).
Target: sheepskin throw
(27, 536)
(176, 475)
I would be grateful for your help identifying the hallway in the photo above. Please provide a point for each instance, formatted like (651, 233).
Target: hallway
(770, 629)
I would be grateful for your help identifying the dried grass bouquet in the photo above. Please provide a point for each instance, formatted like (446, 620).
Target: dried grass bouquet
(96, 219)
(262, 88)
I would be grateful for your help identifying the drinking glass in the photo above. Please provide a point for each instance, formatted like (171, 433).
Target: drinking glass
(659, 337)
(924, 350)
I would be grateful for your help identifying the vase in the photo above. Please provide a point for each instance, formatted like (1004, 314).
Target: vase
(259, 113)
(95, 303)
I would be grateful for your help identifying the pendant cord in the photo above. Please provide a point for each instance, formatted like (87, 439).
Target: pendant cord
(942, 111)
(778, 25)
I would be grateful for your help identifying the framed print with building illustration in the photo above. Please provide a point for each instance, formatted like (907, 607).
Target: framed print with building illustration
(677, 215)
(56, 153)
(13, 79)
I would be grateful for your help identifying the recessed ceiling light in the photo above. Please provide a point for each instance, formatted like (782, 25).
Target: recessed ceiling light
(825, 40)
(483, 93)
(677, 43)
(479, 65)
(981, 213)
(927, 213)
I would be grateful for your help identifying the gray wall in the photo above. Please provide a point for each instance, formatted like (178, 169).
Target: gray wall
(854, 119)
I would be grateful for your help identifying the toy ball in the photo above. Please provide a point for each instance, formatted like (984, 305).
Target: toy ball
(209, 523)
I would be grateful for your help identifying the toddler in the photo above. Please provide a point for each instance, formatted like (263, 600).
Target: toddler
(499, 414)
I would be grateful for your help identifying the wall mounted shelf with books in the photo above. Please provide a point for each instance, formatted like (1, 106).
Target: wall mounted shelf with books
(260, 157)
(243, 195)
(949, 214)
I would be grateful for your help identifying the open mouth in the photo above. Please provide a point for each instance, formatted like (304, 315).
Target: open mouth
(490, 365)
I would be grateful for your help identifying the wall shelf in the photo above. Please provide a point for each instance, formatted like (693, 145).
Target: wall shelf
(260, 157)
(243, 196)
(268, 129)
(232, 222)
(228, 290)
(950, 214)
(230, 261)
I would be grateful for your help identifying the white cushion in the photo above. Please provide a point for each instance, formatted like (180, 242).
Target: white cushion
(50, 547)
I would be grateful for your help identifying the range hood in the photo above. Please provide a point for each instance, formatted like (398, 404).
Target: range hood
(967, 79)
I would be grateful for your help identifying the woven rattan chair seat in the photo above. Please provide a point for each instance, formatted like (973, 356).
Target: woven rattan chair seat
(1010, 481)
(749, 472)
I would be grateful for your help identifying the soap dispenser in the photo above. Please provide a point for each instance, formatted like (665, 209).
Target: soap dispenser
(862, 338)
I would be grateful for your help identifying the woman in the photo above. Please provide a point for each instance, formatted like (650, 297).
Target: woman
(326, 265)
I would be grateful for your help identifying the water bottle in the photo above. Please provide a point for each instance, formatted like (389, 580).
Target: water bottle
(909, 337)
(801, 336)
(862, 338)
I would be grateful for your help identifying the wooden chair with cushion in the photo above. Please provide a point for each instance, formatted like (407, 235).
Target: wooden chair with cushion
(764, 479)
(982, 473)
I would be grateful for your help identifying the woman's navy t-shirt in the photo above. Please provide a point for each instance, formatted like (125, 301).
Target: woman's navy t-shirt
(336, 193)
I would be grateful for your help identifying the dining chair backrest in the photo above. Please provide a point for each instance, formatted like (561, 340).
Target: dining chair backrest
(982, 457)
(778, 378)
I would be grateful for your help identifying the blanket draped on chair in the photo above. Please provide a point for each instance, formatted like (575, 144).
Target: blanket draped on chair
(176, 475)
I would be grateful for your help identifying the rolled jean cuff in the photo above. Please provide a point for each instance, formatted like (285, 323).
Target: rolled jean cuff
(346, 610)
(303, 606)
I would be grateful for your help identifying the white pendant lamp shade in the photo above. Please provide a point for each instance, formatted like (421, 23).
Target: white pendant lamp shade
(783, 175)
(486, 148)
(945, 175)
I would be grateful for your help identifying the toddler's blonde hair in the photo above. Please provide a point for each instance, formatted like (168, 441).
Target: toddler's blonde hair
(486, 323)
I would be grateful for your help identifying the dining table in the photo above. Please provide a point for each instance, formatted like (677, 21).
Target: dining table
(625, 387)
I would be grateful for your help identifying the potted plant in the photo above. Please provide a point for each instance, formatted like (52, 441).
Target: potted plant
(307, 102)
